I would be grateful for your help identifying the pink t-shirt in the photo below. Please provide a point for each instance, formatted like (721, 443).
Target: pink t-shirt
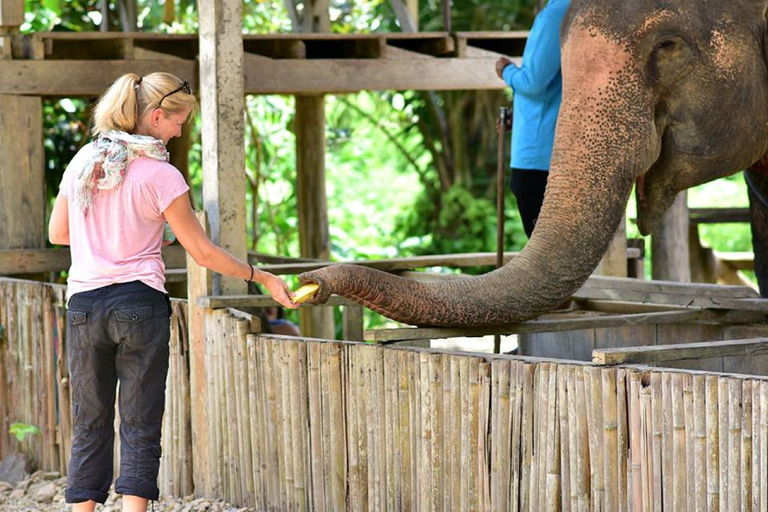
(120, 238)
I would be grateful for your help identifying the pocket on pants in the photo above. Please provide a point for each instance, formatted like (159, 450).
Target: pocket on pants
(75, 317)
(142, 326)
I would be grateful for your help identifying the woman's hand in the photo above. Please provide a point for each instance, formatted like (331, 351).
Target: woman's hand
(278, 289)
(500, 65)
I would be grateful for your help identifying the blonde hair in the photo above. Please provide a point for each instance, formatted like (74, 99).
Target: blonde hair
(131, 96)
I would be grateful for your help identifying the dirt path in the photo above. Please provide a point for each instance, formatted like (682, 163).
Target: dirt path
(45, 492)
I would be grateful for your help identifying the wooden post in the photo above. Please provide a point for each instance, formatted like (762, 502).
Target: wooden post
(11, 13)
(669, 244)
(315, 17)
(407, 13)
(22, 187)
(312, 202)
(222, 100)
(199, 283)
(614, 262)
(11, 16)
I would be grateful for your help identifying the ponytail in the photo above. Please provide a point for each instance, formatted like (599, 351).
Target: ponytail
(118, 108)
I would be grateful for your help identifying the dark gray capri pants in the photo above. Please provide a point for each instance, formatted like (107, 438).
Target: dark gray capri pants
(117, 333)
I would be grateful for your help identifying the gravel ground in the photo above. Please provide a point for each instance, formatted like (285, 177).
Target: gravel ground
(45, 492)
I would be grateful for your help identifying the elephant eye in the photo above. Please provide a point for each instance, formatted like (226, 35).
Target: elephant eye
(670, 58)
(665, 44)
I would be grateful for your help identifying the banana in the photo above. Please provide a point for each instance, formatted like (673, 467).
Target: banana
(305, 292)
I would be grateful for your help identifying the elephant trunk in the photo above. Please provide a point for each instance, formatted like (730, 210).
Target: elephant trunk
(604, 141)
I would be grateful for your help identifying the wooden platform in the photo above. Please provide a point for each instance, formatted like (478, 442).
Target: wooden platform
(53, 64)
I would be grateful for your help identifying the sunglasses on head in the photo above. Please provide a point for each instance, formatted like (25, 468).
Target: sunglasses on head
(184, 87)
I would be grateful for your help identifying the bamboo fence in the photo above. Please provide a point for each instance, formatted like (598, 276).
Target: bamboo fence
(338, 425)
(306, 424)
(34, 383)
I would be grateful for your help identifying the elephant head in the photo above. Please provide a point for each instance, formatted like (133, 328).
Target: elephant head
(666, 94)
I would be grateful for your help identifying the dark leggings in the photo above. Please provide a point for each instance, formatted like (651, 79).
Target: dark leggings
(117, 333)
(529, 185)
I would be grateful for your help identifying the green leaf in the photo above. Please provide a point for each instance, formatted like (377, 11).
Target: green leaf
(22, 430)
(53, 5)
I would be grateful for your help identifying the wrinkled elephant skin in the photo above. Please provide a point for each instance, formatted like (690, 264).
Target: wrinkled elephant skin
(667, 95)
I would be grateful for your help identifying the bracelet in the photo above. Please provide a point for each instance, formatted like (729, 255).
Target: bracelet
(250, 278)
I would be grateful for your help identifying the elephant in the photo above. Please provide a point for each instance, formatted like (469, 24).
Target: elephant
(661, 95)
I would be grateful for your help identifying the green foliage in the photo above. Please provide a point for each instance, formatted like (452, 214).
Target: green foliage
(456, 222)
(478, 15)
(65, 126)
(22, 431)
(265, 17)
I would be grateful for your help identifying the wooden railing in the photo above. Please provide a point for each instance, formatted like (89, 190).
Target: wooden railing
(281, 423)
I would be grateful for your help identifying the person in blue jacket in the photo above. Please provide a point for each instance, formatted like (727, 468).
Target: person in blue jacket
(537, 86)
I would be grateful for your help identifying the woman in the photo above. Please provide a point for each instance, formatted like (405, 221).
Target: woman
(113, 201)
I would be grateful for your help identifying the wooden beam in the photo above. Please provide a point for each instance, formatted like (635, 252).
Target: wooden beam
(397, 264)
(65, 78)
(619, 285)
(258, 301)
(661, 353)
(551, 323)
(276, 48)
(320, 76)
(718, 215)
(30, 261)
(11, 13)
(223, 126)
(510, 43)
(22, 167)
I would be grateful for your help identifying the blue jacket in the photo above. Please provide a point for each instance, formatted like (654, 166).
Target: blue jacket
(538, 90)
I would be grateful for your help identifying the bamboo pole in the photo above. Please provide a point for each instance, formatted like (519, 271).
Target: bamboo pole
(564, 435)
(473, 412)
(392, 477)
(437, 440)
(658, 433)
(646, 442)
(272, 413)
(540, 424)
(679, 475)
(756, 446)
(667, 444)
(335, 357)
(286, 420)
(699, 439)
(610, 439)
(352, 370)
(526, 436)
(722, 421)
(712, 443)
(500, 434)
(553, 451)
(734, 444)
(242, 329)
(622, 416)
(746, 444)
(635, 439)
(763, 446)
(317, 426)
(595, 422)
(690, 446)
(451, 453)
(256, 402)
